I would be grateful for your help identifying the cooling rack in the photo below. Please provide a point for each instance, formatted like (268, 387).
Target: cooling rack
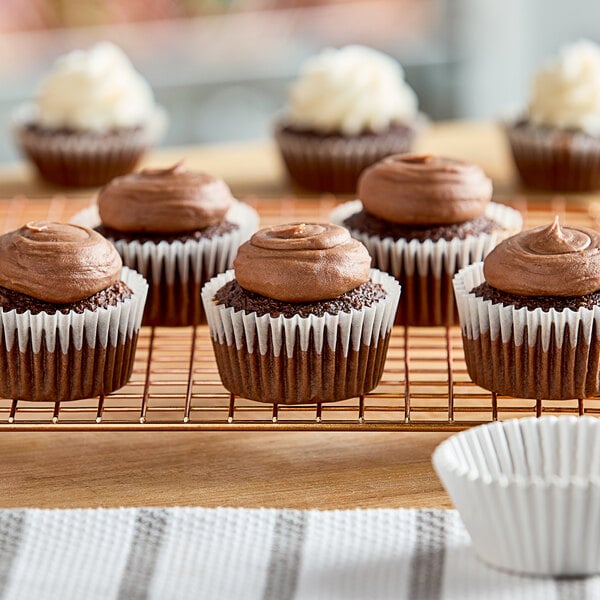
(175, 383)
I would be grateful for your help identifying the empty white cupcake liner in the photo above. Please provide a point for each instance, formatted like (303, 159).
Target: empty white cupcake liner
(431, 257)
(100, 327)
(199, 259)
(255, 333)
(528, 491)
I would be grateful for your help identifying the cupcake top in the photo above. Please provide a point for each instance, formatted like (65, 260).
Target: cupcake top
(546, 261)
(96, 89)
(57, 262)
(167, 200)
(415, 189)
(566, 91)
(302, 262)
(350, 90)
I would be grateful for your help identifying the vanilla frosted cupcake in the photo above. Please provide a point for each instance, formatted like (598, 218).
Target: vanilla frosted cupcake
(302, 319)
(93, 118)
(69, 313)
(349, 108)
(530, 314)
(422, 218)
(178, 228)
(556, 145)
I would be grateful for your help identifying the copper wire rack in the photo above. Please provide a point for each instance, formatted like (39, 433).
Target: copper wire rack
(176, 386)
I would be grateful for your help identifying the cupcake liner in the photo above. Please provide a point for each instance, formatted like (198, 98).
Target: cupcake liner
(425, 269)
(69, 356)
(555, 159)
(528, 353)
(176, 271)
(334, 163)
(295, 360)
(85, 158)
(528, 491)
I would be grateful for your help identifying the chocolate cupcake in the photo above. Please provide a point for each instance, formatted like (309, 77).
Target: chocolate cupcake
(92, 119)
(422, 218)
(303, 319)
(178, 228)
(349, 108)
(556, 144)
(69, 313)
(530, 314)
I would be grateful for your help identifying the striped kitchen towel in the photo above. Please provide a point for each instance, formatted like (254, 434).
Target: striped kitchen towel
(239, 554)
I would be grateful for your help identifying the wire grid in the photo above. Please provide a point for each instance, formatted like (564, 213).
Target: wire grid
(175, 383)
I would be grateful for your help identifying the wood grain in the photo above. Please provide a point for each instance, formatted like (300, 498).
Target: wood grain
(297, 470)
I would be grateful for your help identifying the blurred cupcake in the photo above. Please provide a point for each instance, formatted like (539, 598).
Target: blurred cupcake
(350, 108)
(302, 319)
(178, 228)
(69, 313)
(556, 145)
(422, 218)
(530, 314)
(93, 118)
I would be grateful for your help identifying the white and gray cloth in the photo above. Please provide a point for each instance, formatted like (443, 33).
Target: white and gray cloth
(254, 554)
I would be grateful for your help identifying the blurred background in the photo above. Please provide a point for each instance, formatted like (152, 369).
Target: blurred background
(222, 67)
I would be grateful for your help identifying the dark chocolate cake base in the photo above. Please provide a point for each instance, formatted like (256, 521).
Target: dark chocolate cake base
(368, 223)
(174, 305)
(557, 303)
(427, 300)
(57, 377)
(111, 296)
(333, 163)
(233, 295)
(82, 159)
(559, 373)
(554, 159)
(307, 377)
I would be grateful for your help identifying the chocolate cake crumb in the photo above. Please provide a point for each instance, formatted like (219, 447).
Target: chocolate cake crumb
(394, 129)
(366, 222)
(111, 296)
(233, 295)
(558, 303)
(146, 236)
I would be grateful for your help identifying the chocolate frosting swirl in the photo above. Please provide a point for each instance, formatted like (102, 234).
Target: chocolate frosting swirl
(57, 262)
(302, 262)
(169, 200)
(416, 189)
(546, 261)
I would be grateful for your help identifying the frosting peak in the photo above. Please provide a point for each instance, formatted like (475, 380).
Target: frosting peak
(422, 189)
(57, 262)
(96, 89)
(351, 90)
(546, 261)
(302, 262)
(553, 239)
(170, 200)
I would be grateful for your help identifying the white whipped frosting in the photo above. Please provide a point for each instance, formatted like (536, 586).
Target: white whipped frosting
(96, 89)
(351, 90)
(566, 91)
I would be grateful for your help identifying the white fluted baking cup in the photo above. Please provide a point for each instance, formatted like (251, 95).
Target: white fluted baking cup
(101, 327)
(479, 316)
(528, 491)
(201, 258)
(431, 257)
(349, 329)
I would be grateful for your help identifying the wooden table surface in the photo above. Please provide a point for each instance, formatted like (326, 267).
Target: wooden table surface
(281, 469)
